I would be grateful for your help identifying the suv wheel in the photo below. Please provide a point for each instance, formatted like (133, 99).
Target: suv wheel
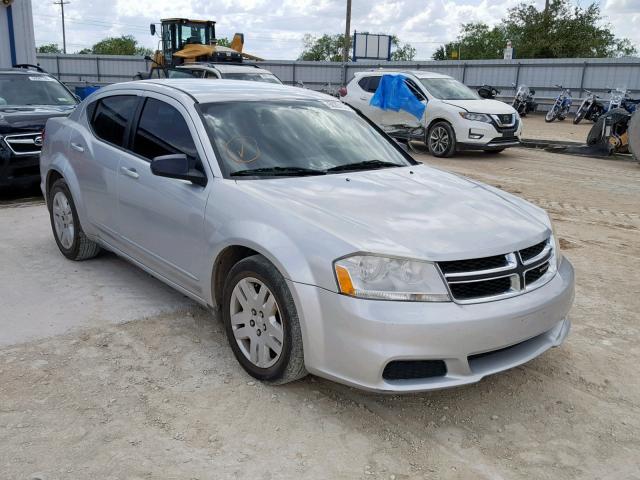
(441, 140)
(67, 231)
(261, 322)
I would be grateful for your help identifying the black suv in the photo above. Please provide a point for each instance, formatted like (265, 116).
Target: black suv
(28, 97)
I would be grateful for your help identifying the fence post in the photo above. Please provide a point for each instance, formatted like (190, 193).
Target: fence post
(464, 71)
(584, 68)
(517, 76)
(293, 73)
(98, 67)
(344, 74)
(58, 67)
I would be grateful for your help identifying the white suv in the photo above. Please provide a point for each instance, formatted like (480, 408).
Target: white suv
(456, 117)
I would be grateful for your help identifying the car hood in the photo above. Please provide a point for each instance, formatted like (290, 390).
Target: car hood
(482, 106)
(414, 211)
(29, 118)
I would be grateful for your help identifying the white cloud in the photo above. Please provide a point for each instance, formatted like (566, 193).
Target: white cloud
(274, 28)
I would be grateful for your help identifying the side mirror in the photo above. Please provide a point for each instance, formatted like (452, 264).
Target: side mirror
(152, 28)
(177, 166)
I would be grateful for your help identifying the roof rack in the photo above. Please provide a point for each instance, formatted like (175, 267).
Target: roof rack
(29, 66)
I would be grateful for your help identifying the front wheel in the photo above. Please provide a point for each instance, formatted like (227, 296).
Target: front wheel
(261, 322)
(441, 140)
(580, 114)
(551, 115)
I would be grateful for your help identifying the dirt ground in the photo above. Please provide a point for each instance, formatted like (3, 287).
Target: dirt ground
(100, 390)
(535, 128)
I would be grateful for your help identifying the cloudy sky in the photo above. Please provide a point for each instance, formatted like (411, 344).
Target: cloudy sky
(274, 28)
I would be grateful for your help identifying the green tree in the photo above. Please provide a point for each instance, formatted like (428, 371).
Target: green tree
(49, 48)
(562, 31)
(123, 45)
(325, 48)
(402, 51)
(223, 42)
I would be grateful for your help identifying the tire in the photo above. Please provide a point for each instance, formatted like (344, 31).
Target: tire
(441, 140)
(259, 327)
(65, 224)
(551, 115)
(579, 116)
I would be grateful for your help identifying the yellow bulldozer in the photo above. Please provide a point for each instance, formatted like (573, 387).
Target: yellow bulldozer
(187, 41)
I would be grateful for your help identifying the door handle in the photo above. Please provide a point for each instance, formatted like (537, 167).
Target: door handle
(77, 147)
(129, 172)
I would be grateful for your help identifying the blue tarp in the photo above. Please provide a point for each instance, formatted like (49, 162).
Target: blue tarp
(393, 94)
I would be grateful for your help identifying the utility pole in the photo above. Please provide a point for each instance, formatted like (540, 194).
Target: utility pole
(347, 34)
(62, 3)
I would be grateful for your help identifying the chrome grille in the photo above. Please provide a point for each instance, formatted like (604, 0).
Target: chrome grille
(24, 143)
(504, 119)
(489, 278)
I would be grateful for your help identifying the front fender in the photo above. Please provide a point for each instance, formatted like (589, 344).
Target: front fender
(286, 254)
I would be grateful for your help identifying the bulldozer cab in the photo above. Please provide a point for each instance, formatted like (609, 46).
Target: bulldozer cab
(177, 33)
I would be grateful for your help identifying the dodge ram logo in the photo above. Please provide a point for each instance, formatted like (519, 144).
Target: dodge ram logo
(38, 141)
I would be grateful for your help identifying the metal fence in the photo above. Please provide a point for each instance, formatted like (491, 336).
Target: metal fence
(597, 75)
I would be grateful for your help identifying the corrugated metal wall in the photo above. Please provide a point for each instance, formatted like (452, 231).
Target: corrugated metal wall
(597, 75)
(16, 37)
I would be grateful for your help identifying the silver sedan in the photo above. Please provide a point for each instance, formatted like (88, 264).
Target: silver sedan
(325, 246)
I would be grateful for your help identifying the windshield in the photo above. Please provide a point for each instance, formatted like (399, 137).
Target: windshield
(19, 89)
(448, 89)
(315, 136)
(252, 76)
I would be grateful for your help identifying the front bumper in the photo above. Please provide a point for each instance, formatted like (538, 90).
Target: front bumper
(471, 135)
(351, 340)
(20, 170)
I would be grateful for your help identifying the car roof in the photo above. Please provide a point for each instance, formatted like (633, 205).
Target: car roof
(206, 91)
(23, 71)
(415, 73)
(226, 67)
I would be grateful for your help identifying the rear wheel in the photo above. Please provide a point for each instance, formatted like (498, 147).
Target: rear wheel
(441, 140)
(261, 322)
(67, 231)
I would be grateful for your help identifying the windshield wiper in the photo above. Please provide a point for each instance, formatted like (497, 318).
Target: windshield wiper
(277, 172)
(365, 165)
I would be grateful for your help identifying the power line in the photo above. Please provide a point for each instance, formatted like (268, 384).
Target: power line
(62, 3)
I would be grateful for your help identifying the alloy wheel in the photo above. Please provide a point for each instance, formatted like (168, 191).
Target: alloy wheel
(63, 220)
(439, 140)
(256, 322)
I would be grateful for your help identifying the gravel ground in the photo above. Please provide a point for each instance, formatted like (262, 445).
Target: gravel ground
(535, 128)
(153, 392)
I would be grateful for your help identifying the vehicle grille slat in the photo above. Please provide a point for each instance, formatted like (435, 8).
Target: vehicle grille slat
(498, 276)
(24, 144)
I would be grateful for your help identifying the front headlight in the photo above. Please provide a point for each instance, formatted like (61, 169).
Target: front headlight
(556, 245)
(476, 117)
(389, 278)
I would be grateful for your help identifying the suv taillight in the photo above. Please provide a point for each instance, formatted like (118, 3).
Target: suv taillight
(342, 91)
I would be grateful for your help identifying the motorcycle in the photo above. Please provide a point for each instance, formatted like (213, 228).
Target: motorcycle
(561, 107)
(591, 108)
(524, 102)
(611, 131)
(487, 91)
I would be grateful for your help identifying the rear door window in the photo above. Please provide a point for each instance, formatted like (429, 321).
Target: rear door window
(162, 130)
(110, 118)
(369, 84)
